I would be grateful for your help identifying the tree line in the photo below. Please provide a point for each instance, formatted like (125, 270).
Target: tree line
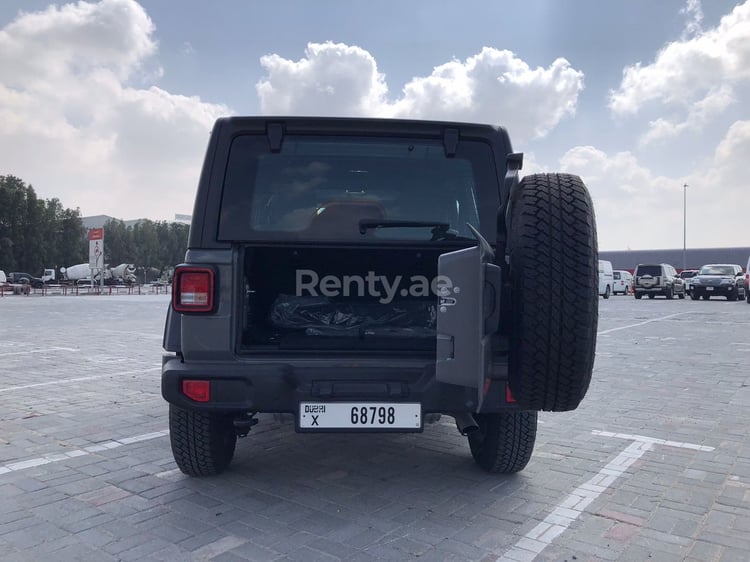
(36, 234)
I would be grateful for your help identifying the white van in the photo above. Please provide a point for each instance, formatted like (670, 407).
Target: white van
(623, 282)
(606, 278)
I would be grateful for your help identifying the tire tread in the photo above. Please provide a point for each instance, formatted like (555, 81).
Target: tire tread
(506, 441)
(202, 444)
(555, 313)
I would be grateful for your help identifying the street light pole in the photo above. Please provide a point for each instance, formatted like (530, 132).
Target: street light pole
(684, 226)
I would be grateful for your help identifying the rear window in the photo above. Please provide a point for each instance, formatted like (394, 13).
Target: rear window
(653, 270)
(616, 274)
(322, 187)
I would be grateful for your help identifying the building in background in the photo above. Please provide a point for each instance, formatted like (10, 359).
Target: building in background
(98, 221)
(628, 259)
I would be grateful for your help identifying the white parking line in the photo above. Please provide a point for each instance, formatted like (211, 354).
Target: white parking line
(603, 332)
(37, 351)
(571, 508)
(78, 379)
(104, 446)
(645, 439)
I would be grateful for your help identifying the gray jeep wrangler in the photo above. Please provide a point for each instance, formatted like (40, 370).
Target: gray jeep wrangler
(372, 275)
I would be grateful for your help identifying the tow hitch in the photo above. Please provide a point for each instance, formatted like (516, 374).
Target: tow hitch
(243, 423)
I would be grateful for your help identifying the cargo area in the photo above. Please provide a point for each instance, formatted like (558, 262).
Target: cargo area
(339, 299)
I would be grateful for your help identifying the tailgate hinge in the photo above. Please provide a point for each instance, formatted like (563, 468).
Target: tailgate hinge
(275, 134)
(450, 141)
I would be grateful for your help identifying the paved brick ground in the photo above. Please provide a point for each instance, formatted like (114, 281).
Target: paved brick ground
(86, 472)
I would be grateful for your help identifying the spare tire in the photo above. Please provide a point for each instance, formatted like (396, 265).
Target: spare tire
(554, 284)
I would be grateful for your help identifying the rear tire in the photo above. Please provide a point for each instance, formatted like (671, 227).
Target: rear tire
(554, 317)
(606, 292)
(706, 297)
(638, 295)
(694, 296)
(202, 444)
(504, 442)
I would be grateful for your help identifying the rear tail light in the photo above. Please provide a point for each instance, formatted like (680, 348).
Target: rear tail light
(509, 395)
(193, 289)
(200, 391)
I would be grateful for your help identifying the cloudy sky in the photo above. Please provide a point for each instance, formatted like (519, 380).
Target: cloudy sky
(107, 105)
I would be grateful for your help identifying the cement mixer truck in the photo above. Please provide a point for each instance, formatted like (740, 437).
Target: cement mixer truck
(81, 273)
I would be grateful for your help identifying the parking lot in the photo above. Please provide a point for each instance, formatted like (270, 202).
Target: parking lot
(655, 464)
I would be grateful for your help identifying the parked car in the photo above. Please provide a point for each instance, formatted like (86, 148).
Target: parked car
(657, 279)
(606, 279)
(687, 275)
(623, 282)
(18, 277)
(15, 288)
(747, 281)
(719, 280)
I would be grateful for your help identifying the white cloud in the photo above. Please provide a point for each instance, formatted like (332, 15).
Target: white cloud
(632, 204)
(694, 11)
(662, 129)
(639, 209)
(78, 125)
(497, 87)
(493, 86)
(115, 34)
(532, 165)
(716, 195)
(685, 72)
(75, 128)
(699, 114)
(727, 179)
(332, 79)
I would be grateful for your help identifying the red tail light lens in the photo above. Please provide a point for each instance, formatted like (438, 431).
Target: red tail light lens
(200, 391)
(509, 395)
(193, 289)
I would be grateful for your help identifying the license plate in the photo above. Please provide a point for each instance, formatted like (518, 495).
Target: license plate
(360, 415)
(709, 288)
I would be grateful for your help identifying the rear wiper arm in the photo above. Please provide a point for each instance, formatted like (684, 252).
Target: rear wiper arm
(449, 235)
(365, 225)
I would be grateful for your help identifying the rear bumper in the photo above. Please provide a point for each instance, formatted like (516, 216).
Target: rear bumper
(279, 387)
(656, 290)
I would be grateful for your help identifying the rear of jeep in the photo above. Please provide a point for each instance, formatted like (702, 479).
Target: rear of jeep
(368, 275)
